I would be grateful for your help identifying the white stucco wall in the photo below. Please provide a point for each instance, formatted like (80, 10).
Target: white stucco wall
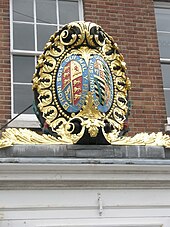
(44, 195)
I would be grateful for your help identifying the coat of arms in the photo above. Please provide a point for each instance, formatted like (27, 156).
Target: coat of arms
(80, 85)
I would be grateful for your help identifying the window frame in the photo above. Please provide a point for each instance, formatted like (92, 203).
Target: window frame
(163, 5)
(13, 52)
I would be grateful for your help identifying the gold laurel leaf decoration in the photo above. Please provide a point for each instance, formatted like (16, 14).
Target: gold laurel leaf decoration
(45, 80)
(13, 136)
(121, 84)
(40, 61)
(5, 143)
(49, 64)
(57, 49)
(115, 64)
(58, 124)
(45, 98)
(123, 64)
(119, 115)
(128, 84)
(50, 113)
(121, 101)
(48, 45)
(35, 81)
(109, 51)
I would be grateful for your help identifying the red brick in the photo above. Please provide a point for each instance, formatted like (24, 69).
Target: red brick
(132, 25)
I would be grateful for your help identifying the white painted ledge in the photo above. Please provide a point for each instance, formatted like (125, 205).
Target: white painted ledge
(83, 176)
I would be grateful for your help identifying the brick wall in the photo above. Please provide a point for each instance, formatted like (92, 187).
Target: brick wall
(132, 25)
(5, 75)
(133, 28)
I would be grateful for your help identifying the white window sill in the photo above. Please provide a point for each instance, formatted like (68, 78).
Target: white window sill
(24, 121)
(167, 127)
(24, 124)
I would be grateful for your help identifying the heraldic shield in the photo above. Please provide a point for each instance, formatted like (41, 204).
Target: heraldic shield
(80, 85)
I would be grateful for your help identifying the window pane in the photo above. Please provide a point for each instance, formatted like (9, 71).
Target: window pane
(167, 100)
(24, 67)
(43, 34)
(23, 36)
(163, 19)
(46, 11)
(68, 11)
(164, 44)
(23, 97)
(23, 10)
(166, 75)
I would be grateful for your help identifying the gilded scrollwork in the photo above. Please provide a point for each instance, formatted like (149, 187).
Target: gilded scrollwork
(121, 101)
(95, 35)
(45, 98)
(121, 84)
(49, 64)
(56, 50)
(50, 113)
(45, 81)
(81, 64)
(119, 115)
(72, 34)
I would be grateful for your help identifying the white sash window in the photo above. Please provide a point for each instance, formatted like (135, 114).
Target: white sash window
(162, 12)
(32, 23)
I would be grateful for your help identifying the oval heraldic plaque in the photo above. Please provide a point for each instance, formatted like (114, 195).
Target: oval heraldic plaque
(80, 85)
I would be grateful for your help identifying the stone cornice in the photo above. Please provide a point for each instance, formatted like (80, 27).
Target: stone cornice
(86, 176)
